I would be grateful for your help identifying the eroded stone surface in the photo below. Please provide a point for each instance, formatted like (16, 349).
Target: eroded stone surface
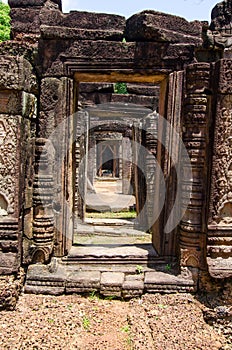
(40, 69)
(161, 27)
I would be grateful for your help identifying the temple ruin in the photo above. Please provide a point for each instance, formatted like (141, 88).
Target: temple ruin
(62, 125)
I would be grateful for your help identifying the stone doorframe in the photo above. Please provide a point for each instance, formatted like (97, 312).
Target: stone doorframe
(122, 76)
(188, 240)
(184, 101)
(40, 70)
(113, 147)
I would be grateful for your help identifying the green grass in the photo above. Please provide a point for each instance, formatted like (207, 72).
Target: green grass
(112, 215)
(86, 323)
(125, 329)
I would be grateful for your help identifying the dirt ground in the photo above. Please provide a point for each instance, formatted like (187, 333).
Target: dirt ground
(159, 322)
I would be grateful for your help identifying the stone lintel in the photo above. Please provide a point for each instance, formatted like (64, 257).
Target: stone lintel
(114, 77)
(65, 33)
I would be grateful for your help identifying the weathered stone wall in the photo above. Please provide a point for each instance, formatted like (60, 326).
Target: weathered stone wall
(154, 40)
(18, 113)
(37, 187)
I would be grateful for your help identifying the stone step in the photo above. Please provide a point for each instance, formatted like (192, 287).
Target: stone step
(90, 234)
(107, 239)
(105, 202)
(118, 258)
(59, 278)
(103, 222)
(123, 253)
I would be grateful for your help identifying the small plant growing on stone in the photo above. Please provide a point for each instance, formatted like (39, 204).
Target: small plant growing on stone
(110, 297)
(168, 267)
(139, 269)
(86, 323)
(120, 88)
(93, 295)
(50, 320)
(125, 329)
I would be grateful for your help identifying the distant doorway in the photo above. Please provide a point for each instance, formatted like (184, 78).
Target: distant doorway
(108, 159)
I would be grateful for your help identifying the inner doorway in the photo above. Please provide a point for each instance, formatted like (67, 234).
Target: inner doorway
(111, 172)
(108, 159)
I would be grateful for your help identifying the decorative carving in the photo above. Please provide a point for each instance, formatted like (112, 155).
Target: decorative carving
(3, 206)
(69, 50)
(219, 245)
(191, 257)
(151, 126)
(223, 74)
(43, 190)
(221, 190)
(195, 136)
(8, 162)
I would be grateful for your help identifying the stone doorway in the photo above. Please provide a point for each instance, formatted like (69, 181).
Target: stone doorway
(109, 207)
(108, 159)
(137, 191)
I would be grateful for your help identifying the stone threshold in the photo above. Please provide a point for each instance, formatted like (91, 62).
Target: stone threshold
(116, 272)
(128, 253)
(109, 222)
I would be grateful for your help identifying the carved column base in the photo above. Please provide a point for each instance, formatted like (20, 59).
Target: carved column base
(40, 254)
(43, 235)
(191, 257)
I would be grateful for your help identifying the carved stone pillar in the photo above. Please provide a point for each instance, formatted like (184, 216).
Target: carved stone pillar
(54, 185)
(195, 124)
(139, 176)
(219, 248)
(150, 127)
(126, 163)
(43, 193)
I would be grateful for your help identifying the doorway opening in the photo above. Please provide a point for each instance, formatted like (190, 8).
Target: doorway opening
(108, 160)
(114, 185)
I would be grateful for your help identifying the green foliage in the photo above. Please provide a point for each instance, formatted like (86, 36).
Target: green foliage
(110, 297)
(120, 88)
(4, 22)
(86, 323)
(139, 269)
(113, 215)
(168, 267)
(93, 295)
(125, 329)
(51, 320)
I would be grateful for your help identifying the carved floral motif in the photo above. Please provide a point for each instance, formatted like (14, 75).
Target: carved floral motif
(221, 206)
(8, 160)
